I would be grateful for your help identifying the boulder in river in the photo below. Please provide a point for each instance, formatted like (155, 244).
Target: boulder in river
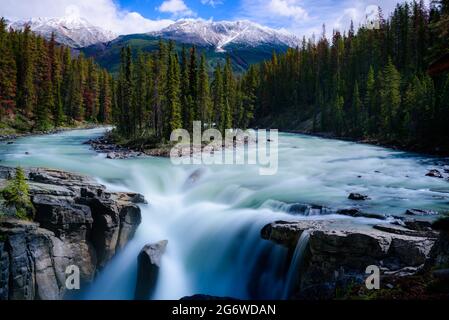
(417, 225)
(194, 177)
(420, 212)
(111, 155)
(148, 264)
(356, 213)
(358, 197)
(434, 173)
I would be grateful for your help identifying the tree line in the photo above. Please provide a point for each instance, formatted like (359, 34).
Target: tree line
(371, 84)
(161, 91)
(43, 86)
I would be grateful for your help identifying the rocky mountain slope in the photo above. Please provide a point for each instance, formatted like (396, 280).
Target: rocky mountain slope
(74, 32)
(223, 34)
(242, 56)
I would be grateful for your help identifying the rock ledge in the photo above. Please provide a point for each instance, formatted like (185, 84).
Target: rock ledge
(77, 222)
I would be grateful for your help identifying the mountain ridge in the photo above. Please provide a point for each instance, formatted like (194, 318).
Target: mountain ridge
(74, 32)
(78, 32)
(220, 34)
(245, 42)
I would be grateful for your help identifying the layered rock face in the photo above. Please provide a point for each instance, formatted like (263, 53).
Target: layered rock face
(77, 222)
(337, 254)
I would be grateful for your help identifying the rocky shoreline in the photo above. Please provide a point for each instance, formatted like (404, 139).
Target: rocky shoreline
(113, 150)
(77, 222)
(11, 137)
(397, 146)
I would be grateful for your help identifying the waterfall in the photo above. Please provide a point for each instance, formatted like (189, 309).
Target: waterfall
(297, 259)
(212, 216)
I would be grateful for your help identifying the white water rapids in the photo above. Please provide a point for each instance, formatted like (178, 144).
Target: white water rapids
(213, 222)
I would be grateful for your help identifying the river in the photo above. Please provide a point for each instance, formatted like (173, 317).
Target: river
(213, 222)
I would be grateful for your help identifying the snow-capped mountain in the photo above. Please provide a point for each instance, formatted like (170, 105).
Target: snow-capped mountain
(75, 32)
(224, 33)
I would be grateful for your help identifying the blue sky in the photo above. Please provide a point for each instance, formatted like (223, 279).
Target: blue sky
(298, 16)
(219, 10)
(301, 17)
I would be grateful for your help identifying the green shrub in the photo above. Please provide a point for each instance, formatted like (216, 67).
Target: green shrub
(21, 123)
(17, 194)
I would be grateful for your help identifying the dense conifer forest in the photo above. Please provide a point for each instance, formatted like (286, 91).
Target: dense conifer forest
(371, 84)
(160, 92)
(42, 86)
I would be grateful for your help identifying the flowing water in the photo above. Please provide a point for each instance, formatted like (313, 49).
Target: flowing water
(212, 219)
(295, 264)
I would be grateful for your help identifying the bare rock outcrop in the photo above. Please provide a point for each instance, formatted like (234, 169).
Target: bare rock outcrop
(338, 254)
(77, 222)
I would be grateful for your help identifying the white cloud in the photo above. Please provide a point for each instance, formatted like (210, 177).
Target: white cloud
(103, 13)
(306, 17)
(177, 8)
(212, 3)
(287, 8)
(276, 13)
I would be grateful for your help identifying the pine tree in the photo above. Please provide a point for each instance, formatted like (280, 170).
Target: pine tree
(67, 81)
(56, 80)
(105, 98)
(370, 102)
(409, 108)
(45, 102)
(7, 73)
(229, 95)
(249, 96)
(339, 115)
(17, 194)
(115, 109)
(26, 97)
(125, 94)
(141, 86)
(390, 98)
(159, 101)
(90, 93)
(173, 93)
(204, 101)
(218, 99)
(187, 118)
(76, 105)
(358, 117)
(193, 86)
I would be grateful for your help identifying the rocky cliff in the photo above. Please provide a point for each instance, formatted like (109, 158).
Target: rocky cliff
(77, 222)
(337, 254)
